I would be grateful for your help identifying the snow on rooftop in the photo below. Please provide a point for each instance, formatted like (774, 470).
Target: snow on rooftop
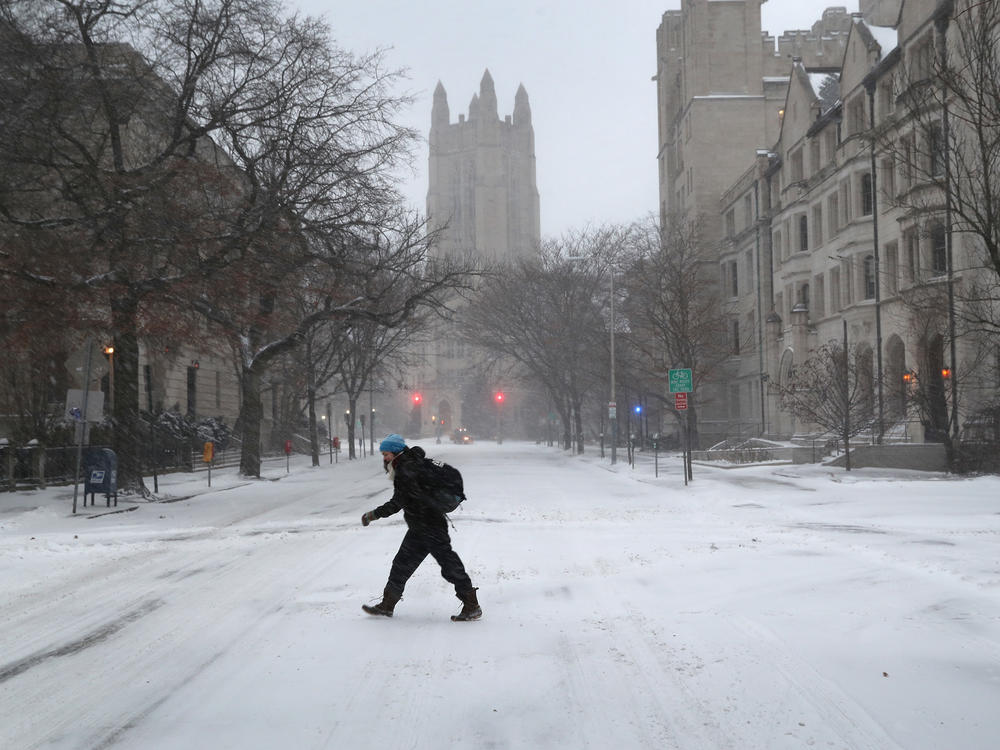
(818, 80)
(886, 37)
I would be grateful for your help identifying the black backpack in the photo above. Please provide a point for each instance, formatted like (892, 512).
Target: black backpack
(441, 485)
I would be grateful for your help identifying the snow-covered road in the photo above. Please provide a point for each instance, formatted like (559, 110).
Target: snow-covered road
(770, 608)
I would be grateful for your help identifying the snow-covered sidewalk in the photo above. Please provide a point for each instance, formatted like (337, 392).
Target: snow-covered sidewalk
(768, 607)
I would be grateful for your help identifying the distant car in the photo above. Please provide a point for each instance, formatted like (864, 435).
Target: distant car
(461, 436)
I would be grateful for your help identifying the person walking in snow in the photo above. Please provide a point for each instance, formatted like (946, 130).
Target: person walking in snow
(426, 534)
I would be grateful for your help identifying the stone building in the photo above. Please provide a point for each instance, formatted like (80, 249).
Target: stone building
(842, 219)
(481, 177)
(721, 86)
(483, 198)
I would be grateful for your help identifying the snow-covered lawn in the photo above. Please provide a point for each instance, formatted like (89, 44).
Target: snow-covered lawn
(769, 607)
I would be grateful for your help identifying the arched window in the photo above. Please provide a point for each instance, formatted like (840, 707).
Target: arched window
(869, 273)
(939, 250)
(867, 197)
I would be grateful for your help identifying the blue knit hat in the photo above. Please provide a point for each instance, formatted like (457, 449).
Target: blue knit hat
(392, 443)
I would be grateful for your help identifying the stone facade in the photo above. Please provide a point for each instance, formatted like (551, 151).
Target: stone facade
(814, 232)
(481, 178)
(721, 89)
(483, 198)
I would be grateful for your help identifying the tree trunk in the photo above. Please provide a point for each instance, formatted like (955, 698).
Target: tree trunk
(579, 429)
(352, 418)
(250, 416)
(311, 405)
(128, 436)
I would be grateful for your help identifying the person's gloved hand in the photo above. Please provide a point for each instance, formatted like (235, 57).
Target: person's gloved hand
(367, 518)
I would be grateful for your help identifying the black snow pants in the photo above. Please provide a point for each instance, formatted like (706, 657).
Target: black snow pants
(422, 540)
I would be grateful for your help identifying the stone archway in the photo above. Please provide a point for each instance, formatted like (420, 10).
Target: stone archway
(894, 386)
(786, 420)
(864, 365)
(931, 389)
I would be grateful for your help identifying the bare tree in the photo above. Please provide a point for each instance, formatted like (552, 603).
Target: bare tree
(258, 310)
(833, 389)
(673, 307)
(113, 192)
(545, 315)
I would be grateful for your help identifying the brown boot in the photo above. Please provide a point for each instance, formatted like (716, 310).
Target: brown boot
(470, 607)
(384, 607)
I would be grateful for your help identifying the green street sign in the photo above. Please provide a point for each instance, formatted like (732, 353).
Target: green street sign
(680, 381)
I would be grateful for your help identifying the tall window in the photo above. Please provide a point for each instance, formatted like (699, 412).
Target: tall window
(845, 202)
(734, 279)
(892, 267)
(889, 176)
(796, 161)
(912, 256)
(833, 214)
(935, 149)
(735, 333)
(819, 298)
(868, 271)
(192, 390)
(803, 233)
(867, 197)
(939, 250)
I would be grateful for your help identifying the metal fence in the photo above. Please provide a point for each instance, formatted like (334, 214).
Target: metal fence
(33, 466)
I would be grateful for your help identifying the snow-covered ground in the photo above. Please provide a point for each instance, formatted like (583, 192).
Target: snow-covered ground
(770, 607)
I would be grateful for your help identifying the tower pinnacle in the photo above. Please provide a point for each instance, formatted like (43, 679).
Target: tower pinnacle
(440, 115)
(488, 97)
(522, 110)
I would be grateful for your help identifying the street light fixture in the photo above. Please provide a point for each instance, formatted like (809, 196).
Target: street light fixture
(110, 352)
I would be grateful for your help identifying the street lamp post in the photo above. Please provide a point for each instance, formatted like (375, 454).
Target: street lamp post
(613, 418)
(110, 351)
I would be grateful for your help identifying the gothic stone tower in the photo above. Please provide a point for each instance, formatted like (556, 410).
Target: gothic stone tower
(482, 177)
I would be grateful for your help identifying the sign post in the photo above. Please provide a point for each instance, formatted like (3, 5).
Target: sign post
(288, 455)
(681, 384)
(207, 455)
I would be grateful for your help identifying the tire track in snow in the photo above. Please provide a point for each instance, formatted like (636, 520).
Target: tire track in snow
(95, 636)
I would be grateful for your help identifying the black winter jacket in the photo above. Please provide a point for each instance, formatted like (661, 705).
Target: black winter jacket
(410, 476)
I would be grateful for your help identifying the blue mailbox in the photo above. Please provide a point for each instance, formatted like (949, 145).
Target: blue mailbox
(100, 470)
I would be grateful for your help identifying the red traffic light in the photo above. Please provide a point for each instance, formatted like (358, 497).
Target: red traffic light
(499, 397)
(417, 398)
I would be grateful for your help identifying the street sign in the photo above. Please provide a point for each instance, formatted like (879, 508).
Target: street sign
(74, 405)
(680, 401)
(680, 381)
(612, 410)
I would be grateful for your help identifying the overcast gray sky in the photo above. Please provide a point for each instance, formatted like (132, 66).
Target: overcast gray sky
(586, 65)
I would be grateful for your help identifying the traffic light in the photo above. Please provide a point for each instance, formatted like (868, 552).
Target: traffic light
(417, 399)
(638, 409)
(498, 397)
